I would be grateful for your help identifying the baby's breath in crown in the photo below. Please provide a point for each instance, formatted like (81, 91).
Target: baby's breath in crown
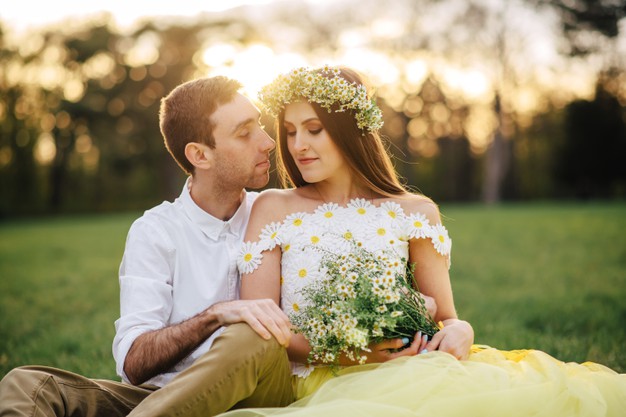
(326, 88)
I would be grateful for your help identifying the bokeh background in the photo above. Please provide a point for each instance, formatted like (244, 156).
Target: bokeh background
(484, 100)
(509, 113)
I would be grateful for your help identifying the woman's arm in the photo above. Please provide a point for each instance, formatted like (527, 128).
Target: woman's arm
(433, 279)
(264, 281)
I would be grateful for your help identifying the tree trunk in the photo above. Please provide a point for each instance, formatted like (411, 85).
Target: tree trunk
(496, 161)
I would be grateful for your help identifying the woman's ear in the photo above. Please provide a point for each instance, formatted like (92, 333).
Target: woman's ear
(199, 154)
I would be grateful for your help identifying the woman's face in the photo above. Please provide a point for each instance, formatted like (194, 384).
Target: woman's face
(316, 155)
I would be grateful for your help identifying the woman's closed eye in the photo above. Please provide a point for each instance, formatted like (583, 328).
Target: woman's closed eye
(312, 131)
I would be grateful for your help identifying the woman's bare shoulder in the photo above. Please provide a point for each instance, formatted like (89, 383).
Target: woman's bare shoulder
(418, 203)
(274, 205)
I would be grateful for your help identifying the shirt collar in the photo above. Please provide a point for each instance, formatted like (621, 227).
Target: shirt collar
(211, 226)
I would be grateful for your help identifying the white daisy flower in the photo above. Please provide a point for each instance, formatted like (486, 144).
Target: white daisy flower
(418, 226)
(249, 258)
(391, 296)
(392, 210)
(361, 207)
(296, 220)
(292, 303)
(291, 237)
(380, 234)
(327, 215)
(302, 270)
(378, 291)
(313, 235)
(441, 240)
(352, 277)
(337, 240)
(271, 234)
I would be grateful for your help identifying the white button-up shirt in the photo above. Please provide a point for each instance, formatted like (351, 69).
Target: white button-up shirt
(178, 261)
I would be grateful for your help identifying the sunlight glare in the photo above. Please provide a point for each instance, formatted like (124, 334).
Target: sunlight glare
(48, 76)
(45, 149)
(479, 127)
(353, 38)
(526, 100)
(376, 66)
(219, 54)
(416, 72)
(472, 84)
(6, 155)
(387, 28)
(99, 65)
(145, 50)
(73, 90)
(254, 66)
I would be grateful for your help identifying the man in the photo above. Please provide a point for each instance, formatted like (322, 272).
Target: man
(184, 344)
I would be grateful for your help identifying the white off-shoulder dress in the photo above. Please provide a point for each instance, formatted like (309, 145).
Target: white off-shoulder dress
(491, 382)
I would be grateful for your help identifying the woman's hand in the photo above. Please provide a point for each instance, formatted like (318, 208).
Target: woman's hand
(456, 338)
(395, 348)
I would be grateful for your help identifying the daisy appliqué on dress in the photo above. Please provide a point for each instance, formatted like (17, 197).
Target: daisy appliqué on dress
(304, 237)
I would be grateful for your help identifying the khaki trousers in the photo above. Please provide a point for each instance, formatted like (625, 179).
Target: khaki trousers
(240, 370)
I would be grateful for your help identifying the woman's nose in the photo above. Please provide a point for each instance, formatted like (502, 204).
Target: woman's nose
(300, 144)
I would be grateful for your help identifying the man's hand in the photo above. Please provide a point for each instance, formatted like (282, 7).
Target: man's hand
(264, 316)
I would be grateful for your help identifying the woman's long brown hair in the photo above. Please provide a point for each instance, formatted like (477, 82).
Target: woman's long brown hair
(363, 151)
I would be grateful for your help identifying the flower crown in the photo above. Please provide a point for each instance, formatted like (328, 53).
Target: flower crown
(325, 87)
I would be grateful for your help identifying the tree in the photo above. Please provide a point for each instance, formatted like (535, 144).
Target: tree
(590, 162)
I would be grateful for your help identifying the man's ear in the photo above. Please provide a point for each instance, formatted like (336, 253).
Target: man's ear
(199, 154)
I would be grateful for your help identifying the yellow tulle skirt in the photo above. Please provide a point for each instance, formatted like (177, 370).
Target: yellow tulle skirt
(491, 382)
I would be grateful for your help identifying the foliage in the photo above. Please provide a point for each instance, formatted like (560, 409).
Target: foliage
(596, 134)
(601, 16)
(78, 107)
(363, 298)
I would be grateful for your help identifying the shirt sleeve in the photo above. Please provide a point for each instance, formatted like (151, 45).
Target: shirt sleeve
(145, 277)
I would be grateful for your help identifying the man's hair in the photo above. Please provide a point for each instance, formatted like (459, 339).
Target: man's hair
(185, 114)
(364, 151)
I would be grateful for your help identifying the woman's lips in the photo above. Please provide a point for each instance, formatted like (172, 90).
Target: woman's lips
(306, 161)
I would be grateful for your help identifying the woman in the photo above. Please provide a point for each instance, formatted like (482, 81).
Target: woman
(346, 193)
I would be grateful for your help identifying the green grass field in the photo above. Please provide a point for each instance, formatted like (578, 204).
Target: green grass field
(546, 276)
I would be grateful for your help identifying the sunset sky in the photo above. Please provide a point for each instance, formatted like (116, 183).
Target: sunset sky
(24, 14)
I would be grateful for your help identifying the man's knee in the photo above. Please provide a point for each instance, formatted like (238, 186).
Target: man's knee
(244, 336)
(240, 343)
(24, 377)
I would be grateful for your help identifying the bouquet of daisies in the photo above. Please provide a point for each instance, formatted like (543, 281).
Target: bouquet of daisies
(363, 297)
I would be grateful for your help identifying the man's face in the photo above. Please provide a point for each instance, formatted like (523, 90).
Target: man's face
(241, 154)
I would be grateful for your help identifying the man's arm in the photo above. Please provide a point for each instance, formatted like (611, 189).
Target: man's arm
(156, 351)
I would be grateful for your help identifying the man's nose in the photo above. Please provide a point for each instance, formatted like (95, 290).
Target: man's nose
(267, 143)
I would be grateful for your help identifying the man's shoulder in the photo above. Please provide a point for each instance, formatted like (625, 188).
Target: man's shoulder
(164, 211)
(159, 218)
